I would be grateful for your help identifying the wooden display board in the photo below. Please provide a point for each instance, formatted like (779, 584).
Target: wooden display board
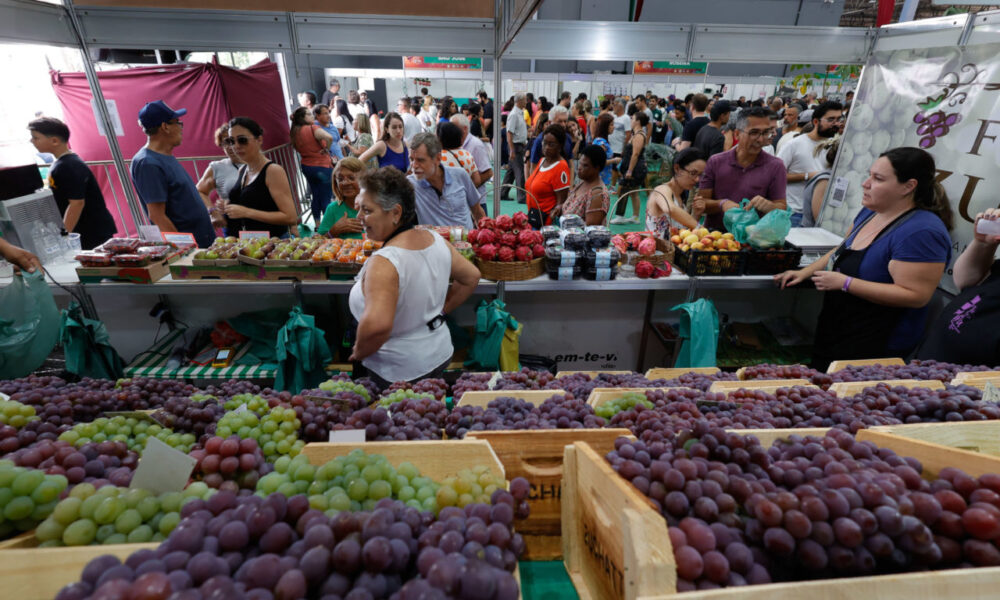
(434, 459)
(538, 457)
(39, 573)
(839, 365)
(484, 397)
(851, 388)
(767, 385)
(675, 372)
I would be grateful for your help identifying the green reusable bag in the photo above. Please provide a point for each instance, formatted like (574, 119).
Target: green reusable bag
(699, 332)
(770, 231)
(736, 221)
(492, 323)
(262, 328)
(302, 354)
(88, 349)
(29, 325)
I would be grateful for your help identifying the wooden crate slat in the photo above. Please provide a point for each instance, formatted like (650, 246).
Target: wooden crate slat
(538, 457)
(675, 372)
(39, 573)
(839, 365)
(767, 385)
(851, 388)
(599, 396)
(934, 457)
(592, 374)
(975, 436)
(433, 459)
(767, 437)
(484, 397)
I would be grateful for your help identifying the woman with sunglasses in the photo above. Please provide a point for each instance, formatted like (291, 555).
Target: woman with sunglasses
(221, 176)
(312, 144)
(261, 200)
(666, 202)
(390, 150)
(341, 218)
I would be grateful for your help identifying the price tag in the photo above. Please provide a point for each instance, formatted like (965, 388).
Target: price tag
(322, 399)
(839, 193)
(242, 408)
(493, 380)
(150, 233)
(162, 468)
(255, 235)
(991, 393)
(180, 239)
(352, 436)
(138, 415)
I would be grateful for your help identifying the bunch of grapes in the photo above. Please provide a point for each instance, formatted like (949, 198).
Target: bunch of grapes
(134, 432)
(33, 431)
(29, 495)
(463, 419)
(115, 515)
(566, 412)
(426, 416)
(437, 388)
(471, 486)
(344, 384)
(624, 402)
(697, 381)
(193, 416)
(507, 412)
(391, 397)
(525, 379)
(15, 414)
(255, 403)
(769, 371)
(470, 382)
(277, 547)
(232, 387)
(143, 393)
(378, 425)
(229, 464)
(276, 432)
(31, 384)
(98, 463)
(917, 369)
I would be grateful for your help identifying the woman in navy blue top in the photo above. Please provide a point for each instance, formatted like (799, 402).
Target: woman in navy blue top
(390, 150)
(885, 272)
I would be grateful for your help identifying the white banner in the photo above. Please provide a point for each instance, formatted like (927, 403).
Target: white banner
(944, 100)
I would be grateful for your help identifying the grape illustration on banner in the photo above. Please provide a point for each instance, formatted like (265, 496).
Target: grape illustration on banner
(957, 85)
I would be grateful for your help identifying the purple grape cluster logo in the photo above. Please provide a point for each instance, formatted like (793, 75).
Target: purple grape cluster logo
(933, 122)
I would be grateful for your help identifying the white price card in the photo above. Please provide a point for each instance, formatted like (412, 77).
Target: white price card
(839, 193)
(150, 233)
(991, 393)
(351, 436)
(162, 468)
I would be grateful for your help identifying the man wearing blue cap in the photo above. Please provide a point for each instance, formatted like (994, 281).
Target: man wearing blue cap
(171, 198)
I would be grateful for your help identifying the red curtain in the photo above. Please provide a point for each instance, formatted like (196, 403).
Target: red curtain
(211, 93)
(885, 11)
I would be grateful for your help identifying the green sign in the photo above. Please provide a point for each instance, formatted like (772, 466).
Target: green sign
(456, 63)
(655, 67)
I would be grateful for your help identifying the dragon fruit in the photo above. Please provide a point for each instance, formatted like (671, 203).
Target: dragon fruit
(537, 251)
(486, 223)
(539, 238)
(508, 239)
(619, 243)
(523, 253)
(647, 247)
(472, 236)
(486, 252)
(633, 239)
(505, 254)
(644, 269)
(486, 236)
(520, 220)
(505, 222)
(526, 238)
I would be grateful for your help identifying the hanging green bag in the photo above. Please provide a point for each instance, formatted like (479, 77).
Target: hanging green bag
(699, 332)
(737, 219)
(87, 347)
(302, 354)
(771, 231)
(262, 328)
(29, 327)
(492, 323)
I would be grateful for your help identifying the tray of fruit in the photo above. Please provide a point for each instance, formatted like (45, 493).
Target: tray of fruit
(651, 248)
(222, 253)
(704, 252)
(254, 252)
(294, 252)
(771, 261)
(507, 248)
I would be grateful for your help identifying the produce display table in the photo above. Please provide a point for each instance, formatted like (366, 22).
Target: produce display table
(153, 364)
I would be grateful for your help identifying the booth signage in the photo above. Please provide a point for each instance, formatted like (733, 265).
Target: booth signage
(653, 67)
(254, 235)
(447, 63)
(945, 100)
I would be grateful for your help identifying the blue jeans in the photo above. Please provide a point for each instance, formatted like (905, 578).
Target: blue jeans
(320, 181)
(796, 219)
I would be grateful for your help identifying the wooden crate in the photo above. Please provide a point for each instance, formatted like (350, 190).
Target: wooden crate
(592, 374)
(39, 573)
(599, 396)
(538, 457)
(839, 365)
(434, 459)
(23, 540)
(674, 372)
(614, 548)
(977, 379)
(148, 274)
(484, 397)
(767, 437)
(851, 388)
(972, 446)
(767, 385)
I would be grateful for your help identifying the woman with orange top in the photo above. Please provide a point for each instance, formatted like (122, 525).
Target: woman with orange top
(312, 144)
(549, 183)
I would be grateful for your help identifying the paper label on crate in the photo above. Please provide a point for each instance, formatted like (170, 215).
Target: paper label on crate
(255, 235)
(568, 259)
(565, 273)
(138, 415)
(150, 233)
(602, 258)
(322, 399)
(239, 410)
(352, 436)
(840, 185)
(493, 380)
(602, 274)
(991, 393)
(180, 239)
(162, 468)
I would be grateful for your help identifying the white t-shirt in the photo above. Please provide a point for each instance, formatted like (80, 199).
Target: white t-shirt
(798, 156)
(427, 119)
(617, 138)
(413, 349)
(341, 123)
(356, 109)
(411, 127)
(785, 140)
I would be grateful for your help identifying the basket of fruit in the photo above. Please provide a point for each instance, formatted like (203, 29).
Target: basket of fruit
(651, 248)
(222, 253)
(507, 249)
(771, 261)
(701, 252)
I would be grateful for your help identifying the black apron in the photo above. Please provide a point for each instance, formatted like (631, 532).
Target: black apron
(965, 332)
(849, 327)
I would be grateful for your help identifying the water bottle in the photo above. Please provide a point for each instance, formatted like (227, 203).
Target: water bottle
(51, 247)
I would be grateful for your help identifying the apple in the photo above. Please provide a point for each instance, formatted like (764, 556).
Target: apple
(707, 242)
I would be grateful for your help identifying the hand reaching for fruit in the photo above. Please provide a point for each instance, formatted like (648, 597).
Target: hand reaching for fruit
(697, 207)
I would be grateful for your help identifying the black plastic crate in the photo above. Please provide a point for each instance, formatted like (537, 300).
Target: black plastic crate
(774, 260)
(710, 262)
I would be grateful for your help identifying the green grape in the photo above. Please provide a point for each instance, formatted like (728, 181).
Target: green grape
(79, 533)
(47, 491)
(319, 502)
(15, 414)
(49, 529)
(358, 490)
(288, 489)
(379, 489)
(133, 432)
(6, 495)
(346, 386)
(168, 522)
(128, 520)
(26, 481)
(42, 511)
(20, 507)
(67, 511)
(171, 502)
(400, 395)
(622, 403)
(116, 538)
(140, 535)
(148, 507)
(103, 533)
(446, 496)
(340, 502)
(108, 510)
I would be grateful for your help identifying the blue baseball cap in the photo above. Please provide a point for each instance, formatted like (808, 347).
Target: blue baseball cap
(157, 113)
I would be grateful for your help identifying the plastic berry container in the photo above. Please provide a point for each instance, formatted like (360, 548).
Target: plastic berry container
(574, 239)
(155, 253)
(131, 260)
(558, 257)
(92, 258)
(604, 258)
(600, 273)
(571, 221)
(550, 232)
(118, 245)
(598, 236)
(563, 273)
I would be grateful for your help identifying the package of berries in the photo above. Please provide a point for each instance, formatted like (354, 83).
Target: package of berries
(94, 258)
(131, 260)
(119, 245)
(155, 253)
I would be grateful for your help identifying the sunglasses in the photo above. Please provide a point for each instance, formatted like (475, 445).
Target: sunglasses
(242, 140)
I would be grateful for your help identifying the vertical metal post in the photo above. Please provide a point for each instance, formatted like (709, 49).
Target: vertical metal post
(499, 26)
(138, 215)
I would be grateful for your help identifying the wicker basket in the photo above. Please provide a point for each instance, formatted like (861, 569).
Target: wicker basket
(511, 271)
(664, 246)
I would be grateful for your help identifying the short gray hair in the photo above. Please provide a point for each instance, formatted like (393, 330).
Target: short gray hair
(390, 188)
(429, 141)
(558, 109)
(619, 102)
(460, 120)
(520, 96)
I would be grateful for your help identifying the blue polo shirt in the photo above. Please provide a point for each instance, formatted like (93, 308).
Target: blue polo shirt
(453, 206)
(536, 148)
(160, 178)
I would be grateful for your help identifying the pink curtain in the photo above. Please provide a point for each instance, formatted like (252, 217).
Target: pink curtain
(211, 93)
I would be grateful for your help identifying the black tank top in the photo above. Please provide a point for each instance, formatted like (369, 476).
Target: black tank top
(255, 196)
(966, 330)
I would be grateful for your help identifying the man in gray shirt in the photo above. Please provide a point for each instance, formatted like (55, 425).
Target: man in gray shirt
(444, 195)
(517, 139)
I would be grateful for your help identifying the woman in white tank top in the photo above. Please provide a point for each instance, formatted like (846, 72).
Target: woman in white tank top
(403, 290)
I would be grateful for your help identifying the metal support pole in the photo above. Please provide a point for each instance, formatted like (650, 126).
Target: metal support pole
(138, 215)
(499, 26)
